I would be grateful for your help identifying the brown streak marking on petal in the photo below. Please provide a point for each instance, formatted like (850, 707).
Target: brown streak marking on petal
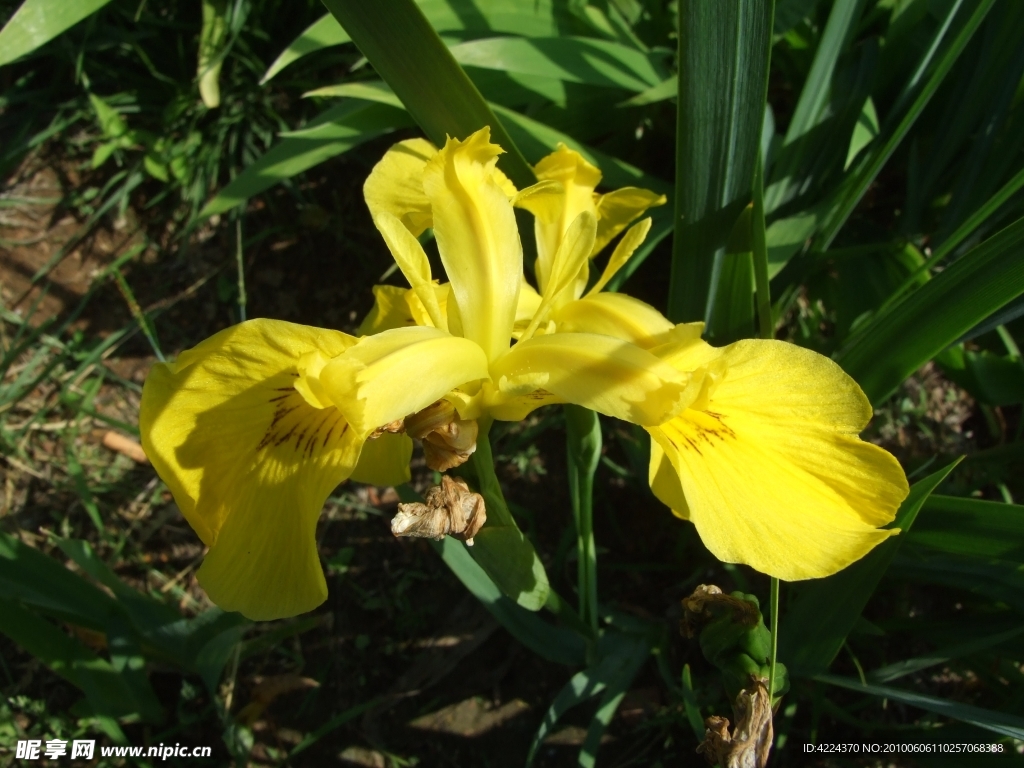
(287, 436)
(312, 438)
(329, 431)
(280, 415)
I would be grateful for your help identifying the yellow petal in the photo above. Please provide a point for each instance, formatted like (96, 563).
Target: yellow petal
(396, 373)
(774, 472)
(618, 315)
(632, 240)
(555, 212)
(665, 482)
(601, 373)
(249, 461)
(477, 237)
(384, 461)
(528, 303)
(413, 262)
(390, 310)
(618, 208)
(569, 269)
(395, 185)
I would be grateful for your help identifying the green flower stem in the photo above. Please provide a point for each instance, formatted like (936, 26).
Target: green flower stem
(489, 487)
(498, 513)
(583, 441)
(775, 637)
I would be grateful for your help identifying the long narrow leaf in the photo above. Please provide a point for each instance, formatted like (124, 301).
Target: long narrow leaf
(407, 53)
(860, 178)
(997, 722)
(38, 21)
(298, 152)
(723, 68)
(896, 343)
(550, 642)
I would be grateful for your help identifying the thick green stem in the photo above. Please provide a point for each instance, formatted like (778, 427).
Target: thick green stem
(498, 513)
(489, 487)
(583, 441)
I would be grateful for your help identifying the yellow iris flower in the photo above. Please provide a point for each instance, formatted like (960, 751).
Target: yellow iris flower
(252, 429)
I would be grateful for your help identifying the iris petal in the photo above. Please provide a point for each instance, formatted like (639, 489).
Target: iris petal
(477, 237)
(773, 470)
(250, 461)
(618, 315)
(398, 372)
(604, 374)
(395, 185)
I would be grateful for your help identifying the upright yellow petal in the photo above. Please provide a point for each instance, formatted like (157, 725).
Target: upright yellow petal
(477, 237)
(390, 310)
(773, 470)
(413, 262)
(555, 212)
(396, 373)
(250, 461)
(616, 209)
(395, 185)
(627, 246)
(569, 269)
(604, 374)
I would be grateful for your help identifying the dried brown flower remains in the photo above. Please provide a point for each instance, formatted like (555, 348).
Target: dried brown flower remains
(751, 740)
(450, 509)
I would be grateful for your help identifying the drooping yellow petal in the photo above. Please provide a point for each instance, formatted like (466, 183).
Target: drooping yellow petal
(616, 209)
(384, 461)
(665, 483)
(250, 461)
(390, 310)
(632, 240)
(618, 315)
(477, 238)
(413, 262)
(604, 374)
(395, 185)
(395, 373)
(773, 470)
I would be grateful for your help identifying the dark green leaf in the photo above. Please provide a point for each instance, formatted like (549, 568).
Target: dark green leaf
(345, 127)
(998, 722)
(724, 49)
(409, 56)
(896, 343)
(971, 527)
